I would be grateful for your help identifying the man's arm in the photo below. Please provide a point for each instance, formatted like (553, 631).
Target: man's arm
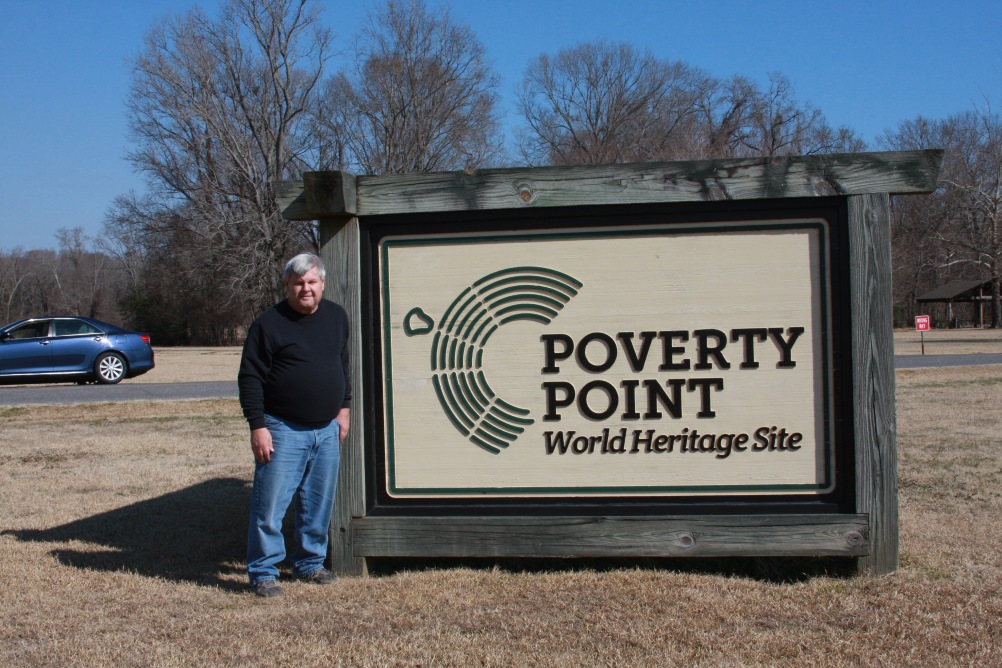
(254, 364)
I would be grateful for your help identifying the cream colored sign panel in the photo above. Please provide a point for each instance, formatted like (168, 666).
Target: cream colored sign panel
(676, 361)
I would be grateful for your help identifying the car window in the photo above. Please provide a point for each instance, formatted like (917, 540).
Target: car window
(31, 330)
(71, 327)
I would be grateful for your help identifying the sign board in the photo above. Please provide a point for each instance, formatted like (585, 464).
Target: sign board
(658, 361)
(663, 359)
(921, 323)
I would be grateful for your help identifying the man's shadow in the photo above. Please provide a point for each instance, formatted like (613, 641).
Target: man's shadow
(198, 534)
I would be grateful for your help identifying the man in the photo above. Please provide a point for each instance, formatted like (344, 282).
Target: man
(295, 393)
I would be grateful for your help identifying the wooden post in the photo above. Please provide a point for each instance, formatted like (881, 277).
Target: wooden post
(329, 198)
(873, 377)
(339, 241)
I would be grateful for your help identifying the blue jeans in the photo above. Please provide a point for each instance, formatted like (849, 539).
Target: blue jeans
(304, 465)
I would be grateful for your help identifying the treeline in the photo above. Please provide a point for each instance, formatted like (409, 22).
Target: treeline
(956, 232)
(85, 277)
(222, 108)
(73, 279)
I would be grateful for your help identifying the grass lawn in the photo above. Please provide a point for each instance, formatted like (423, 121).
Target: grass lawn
(122, 537)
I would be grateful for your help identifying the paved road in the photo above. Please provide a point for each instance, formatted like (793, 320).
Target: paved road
(126, 391)
(926, 361)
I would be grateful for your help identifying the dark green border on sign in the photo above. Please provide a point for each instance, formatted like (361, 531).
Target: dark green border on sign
(821, 226)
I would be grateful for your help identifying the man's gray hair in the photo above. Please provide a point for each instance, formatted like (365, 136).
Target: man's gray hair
(301, 264)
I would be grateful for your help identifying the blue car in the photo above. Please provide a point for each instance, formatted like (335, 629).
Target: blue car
(44, 350)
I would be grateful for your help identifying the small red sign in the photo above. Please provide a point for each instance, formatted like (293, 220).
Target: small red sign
(921, 323)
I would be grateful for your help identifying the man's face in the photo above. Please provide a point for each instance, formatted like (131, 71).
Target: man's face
(304, 292)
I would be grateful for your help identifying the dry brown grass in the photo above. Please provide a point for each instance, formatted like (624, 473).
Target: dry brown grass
(123, 535)
(948, 341)
(186, 365)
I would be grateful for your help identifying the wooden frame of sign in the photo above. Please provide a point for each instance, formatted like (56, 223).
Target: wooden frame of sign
(686, 359)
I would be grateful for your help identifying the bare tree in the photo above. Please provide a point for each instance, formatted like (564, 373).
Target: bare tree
(218, 110)
(76, 279)
(919, 258)
(600, 102)
(607, 103)
(723, 112)
(956, 233)
(15, 275)
(421, 97)
(79, 276)
(777, 123)
(975, 228)
(167, 287)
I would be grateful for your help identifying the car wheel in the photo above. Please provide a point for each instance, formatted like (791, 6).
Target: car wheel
(109, 368)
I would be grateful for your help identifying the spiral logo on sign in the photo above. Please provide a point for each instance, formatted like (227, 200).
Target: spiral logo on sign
(519, 293)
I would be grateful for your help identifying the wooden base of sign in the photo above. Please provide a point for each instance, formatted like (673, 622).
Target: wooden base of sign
(731, 535)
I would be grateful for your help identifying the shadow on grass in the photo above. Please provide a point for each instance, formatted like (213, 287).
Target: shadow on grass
(197, 534)
(777, 570)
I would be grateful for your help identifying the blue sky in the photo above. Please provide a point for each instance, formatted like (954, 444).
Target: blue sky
(64, 73)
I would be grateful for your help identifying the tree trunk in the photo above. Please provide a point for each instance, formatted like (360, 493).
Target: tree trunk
(996, 308)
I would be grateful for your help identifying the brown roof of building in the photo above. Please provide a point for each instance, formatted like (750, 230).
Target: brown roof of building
(957, 291)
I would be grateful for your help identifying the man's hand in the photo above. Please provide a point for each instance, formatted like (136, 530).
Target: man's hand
(261, 445)
(344, 421)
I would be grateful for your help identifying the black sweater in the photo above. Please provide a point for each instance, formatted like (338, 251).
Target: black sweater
(295, 366)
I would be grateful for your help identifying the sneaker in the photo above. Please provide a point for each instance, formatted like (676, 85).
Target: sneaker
(321, 576)
(267, 589)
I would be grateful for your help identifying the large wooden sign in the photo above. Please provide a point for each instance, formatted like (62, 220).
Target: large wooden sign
(689, 359)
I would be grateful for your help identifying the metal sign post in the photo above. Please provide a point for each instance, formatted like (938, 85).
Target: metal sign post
(922, 326)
